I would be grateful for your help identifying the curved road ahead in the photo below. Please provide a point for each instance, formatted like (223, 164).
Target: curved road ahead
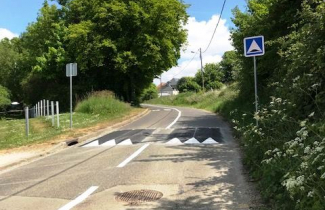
(187, 155)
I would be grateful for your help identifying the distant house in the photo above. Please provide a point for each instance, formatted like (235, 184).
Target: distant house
(169, 88)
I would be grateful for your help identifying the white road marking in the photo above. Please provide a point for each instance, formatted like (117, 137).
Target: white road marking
(178, 116)
(192, 141)
(92, 144)
(167, 109)
(79, 199)
(174, 141)
(125, 142)
(109, 143)
(126, 161)
(210, 141)
(155, 110)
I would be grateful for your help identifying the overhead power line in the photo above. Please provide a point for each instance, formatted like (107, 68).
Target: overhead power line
(223, 6)
(186, 65)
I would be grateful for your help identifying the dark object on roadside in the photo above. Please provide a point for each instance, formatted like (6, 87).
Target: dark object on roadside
(71, 142)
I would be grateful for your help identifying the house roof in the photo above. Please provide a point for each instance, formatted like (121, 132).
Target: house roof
(161, 85)
(167, 88)
(173, 82)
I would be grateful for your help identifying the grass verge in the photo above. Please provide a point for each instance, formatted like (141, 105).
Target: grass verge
(222, 101)
(98, 110)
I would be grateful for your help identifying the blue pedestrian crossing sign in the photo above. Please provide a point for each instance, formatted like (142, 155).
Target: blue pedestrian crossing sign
(254, 46)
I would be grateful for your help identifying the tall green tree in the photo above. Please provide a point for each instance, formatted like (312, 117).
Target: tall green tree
(186, 84)
(212, 75)
(123, 45)
(4, 98)
(273, 19)
(150, 92)
(230, 66)
(43, 46)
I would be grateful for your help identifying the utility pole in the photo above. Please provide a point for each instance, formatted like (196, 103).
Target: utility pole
(202, 69)
(160, 87)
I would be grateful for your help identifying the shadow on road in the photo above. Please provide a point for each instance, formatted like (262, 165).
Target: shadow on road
(227, 187)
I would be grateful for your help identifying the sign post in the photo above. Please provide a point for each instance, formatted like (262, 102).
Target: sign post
(254, 46)
(71, 71)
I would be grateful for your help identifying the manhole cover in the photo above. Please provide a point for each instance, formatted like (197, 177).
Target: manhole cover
(139, 196)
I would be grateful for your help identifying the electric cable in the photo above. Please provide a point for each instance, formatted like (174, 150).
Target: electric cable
(185, 66)
(223, 6)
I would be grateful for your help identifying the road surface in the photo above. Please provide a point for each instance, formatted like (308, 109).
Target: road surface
(172, 158)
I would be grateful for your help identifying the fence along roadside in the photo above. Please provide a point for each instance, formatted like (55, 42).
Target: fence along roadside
(42, 108)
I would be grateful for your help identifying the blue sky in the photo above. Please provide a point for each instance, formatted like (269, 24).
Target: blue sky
(15, 15)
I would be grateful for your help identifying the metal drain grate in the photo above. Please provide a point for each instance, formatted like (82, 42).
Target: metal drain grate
(138, 196)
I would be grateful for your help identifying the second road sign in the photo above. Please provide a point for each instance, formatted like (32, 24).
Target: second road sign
(254, 46)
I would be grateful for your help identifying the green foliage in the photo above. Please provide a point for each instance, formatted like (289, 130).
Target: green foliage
(212, 76)
(188, 84)
(273, 19)
(118, 45)
(286, 151)
(230, 66)
(123, 45)
(102, 103)
(4, 97)
(215, 101)
(149, 93)
(10, 74)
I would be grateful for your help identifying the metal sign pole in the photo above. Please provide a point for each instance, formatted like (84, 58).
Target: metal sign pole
(27, 121)
(71, 99)
(254, 46)
(256, 97)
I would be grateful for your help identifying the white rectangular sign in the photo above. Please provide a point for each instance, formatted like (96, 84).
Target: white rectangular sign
(71, 69)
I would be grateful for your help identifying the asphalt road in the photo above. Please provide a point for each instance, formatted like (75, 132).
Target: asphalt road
(172, 158)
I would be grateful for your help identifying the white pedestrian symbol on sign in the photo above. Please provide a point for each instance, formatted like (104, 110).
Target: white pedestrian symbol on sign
(254, 48)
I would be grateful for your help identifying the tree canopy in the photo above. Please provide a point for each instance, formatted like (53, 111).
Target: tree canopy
(118, 45)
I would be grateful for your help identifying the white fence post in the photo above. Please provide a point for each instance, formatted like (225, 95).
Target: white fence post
(57, 114)
(44, 106)
(27, 121)
(48, 108)
(52, 112)
(41, 108)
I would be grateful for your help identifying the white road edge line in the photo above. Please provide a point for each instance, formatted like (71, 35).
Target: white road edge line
(126, 161)
(178, 116)
(79, 199)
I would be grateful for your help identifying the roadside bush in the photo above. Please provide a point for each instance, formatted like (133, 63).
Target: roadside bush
(149, 93)
(188, 84)
(286, 154)
(4, 98)
(102, 103)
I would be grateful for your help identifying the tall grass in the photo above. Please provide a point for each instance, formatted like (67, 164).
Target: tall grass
(103, 103)
(222, 101)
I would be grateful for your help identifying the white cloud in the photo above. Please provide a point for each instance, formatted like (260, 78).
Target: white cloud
(199, 35)
(5, 33)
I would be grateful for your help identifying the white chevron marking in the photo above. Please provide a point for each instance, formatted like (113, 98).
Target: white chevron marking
(126, 142)
(210, 141)
(92, 144)
(192, 141)
(174, 141)
(109, 143)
